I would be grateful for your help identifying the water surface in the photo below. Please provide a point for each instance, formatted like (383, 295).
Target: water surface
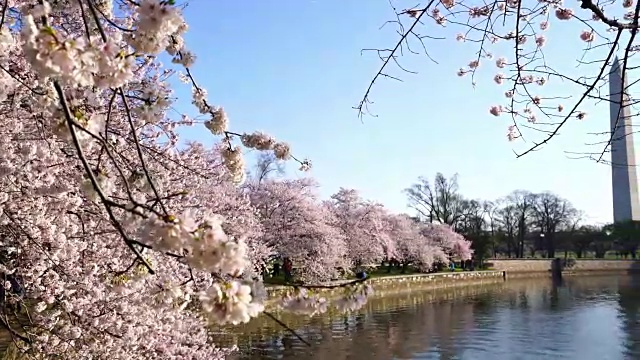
(584, 318)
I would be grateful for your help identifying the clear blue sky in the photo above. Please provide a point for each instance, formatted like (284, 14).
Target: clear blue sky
(293, 68)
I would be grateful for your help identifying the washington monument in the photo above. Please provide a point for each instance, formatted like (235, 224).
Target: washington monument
(624, 178)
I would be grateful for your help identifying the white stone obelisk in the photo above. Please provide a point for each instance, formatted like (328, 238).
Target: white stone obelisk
(624, 178)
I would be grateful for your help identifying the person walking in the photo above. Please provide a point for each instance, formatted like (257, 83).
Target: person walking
(287, 267)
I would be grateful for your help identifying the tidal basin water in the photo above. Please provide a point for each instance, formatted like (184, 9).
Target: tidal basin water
(584, 318)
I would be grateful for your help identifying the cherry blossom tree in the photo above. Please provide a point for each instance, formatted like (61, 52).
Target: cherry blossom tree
(364, 225)
(411, 246)
(507, 42)
(296, 226)
(212, 192)
(444, 237)
(127, 244)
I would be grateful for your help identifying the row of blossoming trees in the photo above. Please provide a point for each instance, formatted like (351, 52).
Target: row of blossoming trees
(119, 243)
(344, 232)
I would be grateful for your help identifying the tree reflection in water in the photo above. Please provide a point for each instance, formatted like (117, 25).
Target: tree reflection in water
(586, 318)
(629, 301)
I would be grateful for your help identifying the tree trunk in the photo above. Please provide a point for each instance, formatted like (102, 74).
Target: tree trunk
(521, 248)
(551, 249)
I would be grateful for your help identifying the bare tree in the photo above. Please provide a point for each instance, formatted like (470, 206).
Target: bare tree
(583, 239)
(474, 217)
(507, 217)
(267, 165)
(439, 202)
(491, 209)
(552, 213)
(513, 216)
(475, 226)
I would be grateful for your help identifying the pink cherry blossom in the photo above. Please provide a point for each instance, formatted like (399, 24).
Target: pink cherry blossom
(364, 226)
(564, 14)
(587, 36)
(117, 225)
(412, 246)
(297, 226)
(131, 242)
(450, 241)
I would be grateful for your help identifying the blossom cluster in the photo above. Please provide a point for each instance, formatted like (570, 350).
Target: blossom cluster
(128, 242)
(355, 298)
(230, 302)
(126, 245)
(305, 302)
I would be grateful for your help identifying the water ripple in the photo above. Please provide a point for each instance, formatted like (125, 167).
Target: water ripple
(590, 318)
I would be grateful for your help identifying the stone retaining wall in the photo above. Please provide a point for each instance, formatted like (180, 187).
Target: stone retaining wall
(519, 266)
(421, 281)
(501, 269)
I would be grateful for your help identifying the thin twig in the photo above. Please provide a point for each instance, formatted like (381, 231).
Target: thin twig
(279, 322)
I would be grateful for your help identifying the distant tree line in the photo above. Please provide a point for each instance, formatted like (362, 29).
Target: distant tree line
(521, 224)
